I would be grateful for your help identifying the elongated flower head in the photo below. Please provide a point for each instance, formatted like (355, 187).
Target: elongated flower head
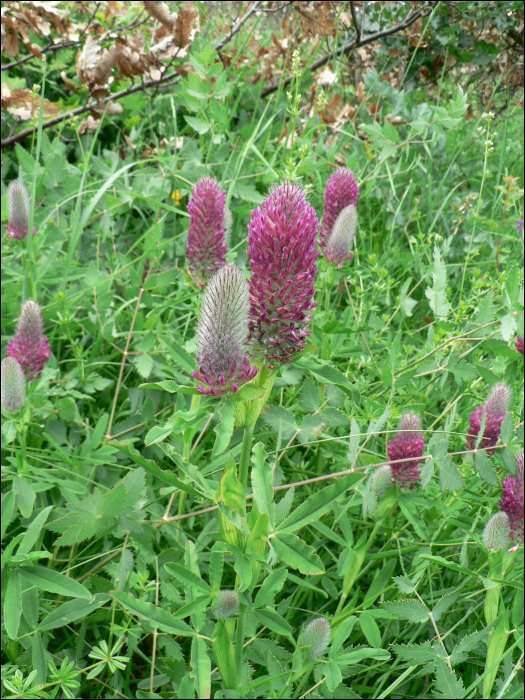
(341, 191)
(512, 499)
(226, 605)
(18, 211)
(496, 534)
(317, 635)
(222, 334)
(13, 385)
(227, 222)
(383, 478)
(337, 248)
(519, 344)
(495, 408)
(30, 347)
(206, 250)
(281, 249)
(409, 442)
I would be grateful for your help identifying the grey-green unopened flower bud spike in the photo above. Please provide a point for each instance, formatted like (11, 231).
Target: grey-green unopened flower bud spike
(382, 480)
(226, 605)
(496, 534)
(13, 385)
(316, 635)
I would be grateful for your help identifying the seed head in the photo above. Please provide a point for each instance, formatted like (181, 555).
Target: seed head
(13, 385)
(496, 534)
(337, 248)
(512, 499)
(409, 442)
(222, 334)
(341, 191)
(206, 248)
(316, 634)
(519, 344)
(495, 411)
(382, 480)
(30, 347)
(226, 605)
(281, 240)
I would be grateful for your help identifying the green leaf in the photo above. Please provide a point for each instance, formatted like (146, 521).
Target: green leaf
(248, 392)
(281, 421)
(144, 365)
(507, 429)
(447, 686)
(415, 654)
(25, 495)
(508, 326)
(12, 604)
(325, 372)
(484, 468)
(54, 582)
(468, 643)
(411, 610)
(262, 483)
(355, 657)
(33, 531)
(224, 429)
(38, 658)
(332, 675)
(188, 578)
(271, 585)
(437, 294)
(343, 631)
(310, 398)
(449, 477)
(157, 617)
(171, 387)
(8, 510)
(180, 356)
(485, 313)
(297, 554)
(158, 433)
(72, 611)
(199, 125)
(269, 618)
(243, 568)
(446, 602)
(201, 667)
(405, 585)
(317, 505)
(370, 629)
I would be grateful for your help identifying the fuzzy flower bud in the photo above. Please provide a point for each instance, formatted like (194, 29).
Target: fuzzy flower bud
(30, 347)
(341, 191)
(495, 411)
(512, 499)
(13, 385)
(227, 223)
(316, 635)
(281, 240)
(496, 534)
(409, 442)
(18, 211)
(519, 345)
(222, 334)
(206, 248)
(337, 248)
(226, 605)
(382, 480)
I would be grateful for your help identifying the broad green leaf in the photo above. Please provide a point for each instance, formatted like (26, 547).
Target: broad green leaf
(446, 602)
(411, 514)
(243, 568)
(187, 578)
(38, 658)
(197, 605)
(449, 477)
(296, 553)
(269, 618)
(470, 642)
(201, 127)
(72, 611)
(218, 551)
(405, 585)
(507, 429)
(317, 505)
(224, 429)
(355, 657)
(411, 610)
(8, 510)
(54, 582)
(370, 629)
(156, 617)
(201, 667)
(13, 604)
(171, 387)
(447, 686)
(437, 294)
(485, 469)
(281, 421)
(158, 433)
(33, 531)
(25, 495)
(328, 374)
(310, 398)
(271, 585)
(332, 676)
(343, 631)
(262, 483)
(180, 356)
(415, 654)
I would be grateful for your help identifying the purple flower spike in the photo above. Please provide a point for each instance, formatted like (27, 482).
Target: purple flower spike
(337, 248)
(341, 191)
(495, 411)
(519, 344)
(222, 334)
(512, 499)
(281, 249)
(206, 250)
(13, 385)
(18, 211)
(409, 442)
(30, 347)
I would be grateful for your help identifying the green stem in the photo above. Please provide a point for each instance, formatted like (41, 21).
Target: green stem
(186, 453)
(243, 478)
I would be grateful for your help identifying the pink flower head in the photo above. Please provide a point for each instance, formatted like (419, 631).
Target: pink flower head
(222, 334)
(281, 249)
(341, 191)
(512, 499)
(18, 209)
(409, 442)
(495, 411)
(13, 385)
(30, 347)
(519, 344)
(206, 249)
(337, 248)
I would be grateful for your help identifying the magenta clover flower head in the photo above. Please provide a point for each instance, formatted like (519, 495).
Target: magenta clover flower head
(341, 191)
(511, 501)
(281, 248)
(316, 635)
(18, 211)
(13, 385)
(496, 534)
(30, 347)
(206, 249)
(222, 334)
(226, 605)
(408, 443)
(337, 248)
(495, 408)
(519, 345)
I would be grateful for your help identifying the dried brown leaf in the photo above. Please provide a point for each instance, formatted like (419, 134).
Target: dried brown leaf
(94, 65)
(25, 106)
(10, 47)
(315, 17)
(116, 9)
(88, 124)
(69, 83)
(109, 108)
(160, 12)
(184, 31)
